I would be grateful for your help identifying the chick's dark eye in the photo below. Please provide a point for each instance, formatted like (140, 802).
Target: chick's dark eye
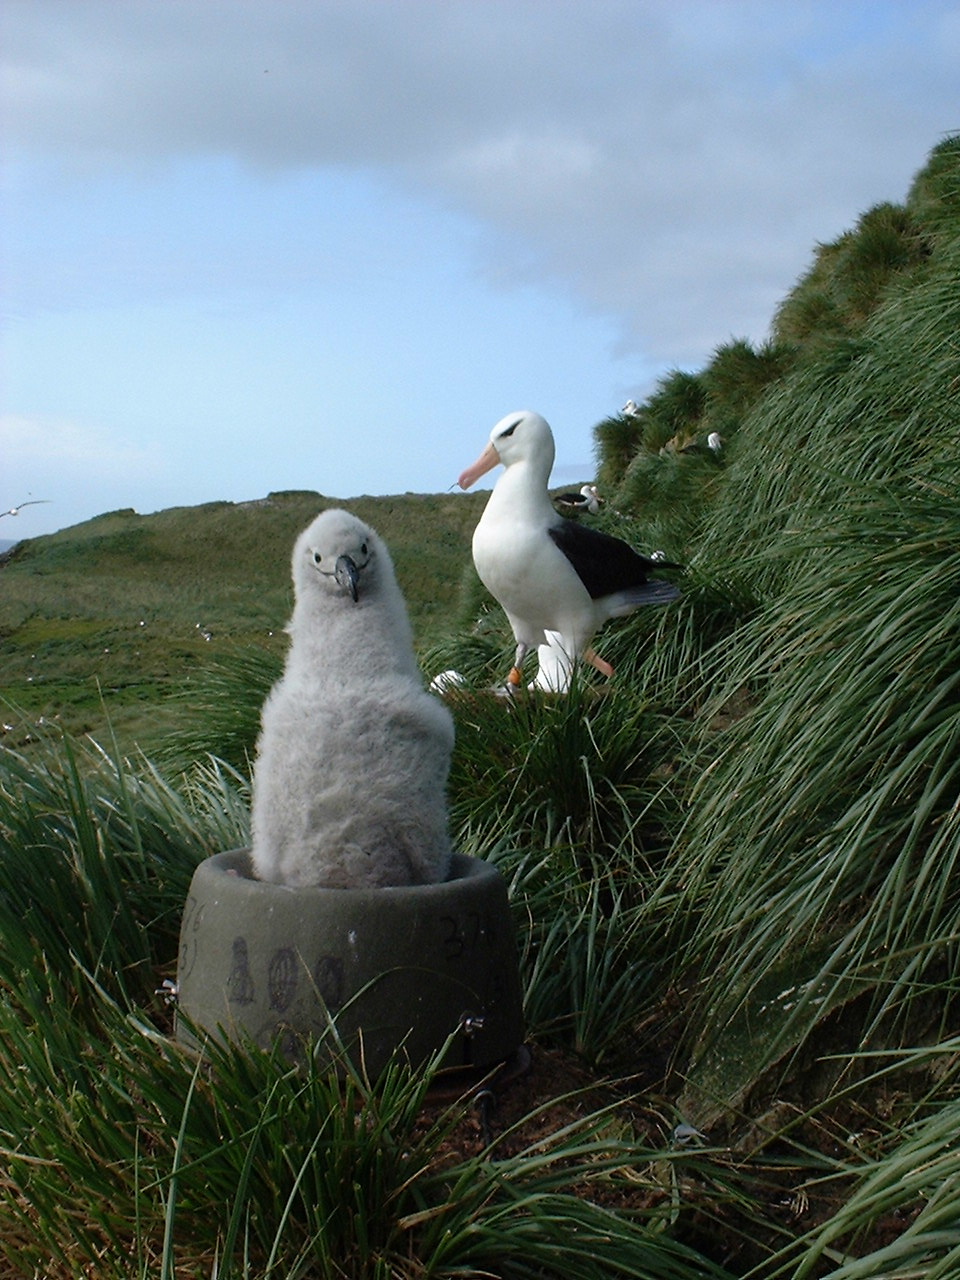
(363, 548)
(317, 557)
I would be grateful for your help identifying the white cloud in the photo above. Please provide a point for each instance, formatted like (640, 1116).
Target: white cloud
(636, 155)
(38, 446)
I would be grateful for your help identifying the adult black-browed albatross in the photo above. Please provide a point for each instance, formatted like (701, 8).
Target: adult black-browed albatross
(557, 580)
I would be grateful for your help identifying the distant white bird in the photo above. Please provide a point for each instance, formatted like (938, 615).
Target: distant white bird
(349, 785)
(714, 444)
(550, 575)
(686, 1135)
(588, 499)
(447, 680)
(15, 511)
(631, 408)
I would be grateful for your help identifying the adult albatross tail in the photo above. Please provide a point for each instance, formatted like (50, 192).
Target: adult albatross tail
(557, 580)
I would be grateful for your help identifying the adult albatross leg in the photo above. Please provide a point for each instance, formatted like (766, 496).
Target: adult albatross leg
(515, 678)
(601, 664)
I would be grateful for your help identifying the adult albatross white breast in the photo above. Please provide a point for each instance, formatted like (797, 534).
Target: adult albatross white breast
(557, 580)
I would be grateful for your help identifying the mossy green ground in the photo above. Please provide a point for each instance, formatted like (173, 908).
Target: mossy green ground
(112, 617)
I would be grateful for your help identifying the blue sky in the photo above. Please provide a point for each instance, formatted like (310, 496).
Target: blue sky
(251, 245)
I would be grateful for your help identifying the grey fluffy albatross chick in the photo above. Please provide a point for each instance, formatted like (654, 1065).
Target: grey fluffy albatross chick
(349, 784)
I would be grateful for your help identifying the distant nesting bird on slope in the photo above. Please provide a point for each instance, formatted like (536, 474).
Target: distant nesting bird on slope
(711, 448)
(588, 499)
(631, 408)
(349, 785)
(550, 575)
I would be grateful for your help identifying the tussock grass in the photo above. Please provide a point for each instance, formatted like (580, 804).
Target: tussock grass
(97, 859)
(124, 1152)
(826, 814)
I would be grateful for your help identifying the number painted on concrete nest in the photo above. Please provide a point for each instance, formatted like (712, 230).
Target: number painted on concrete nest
(328, 981)
(282, 978)
(240, 988)
(461, 934)
(193, 914)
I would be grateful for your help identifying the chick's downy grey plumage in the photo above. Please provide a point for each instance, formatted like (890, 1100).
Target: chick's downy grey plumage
(349, 785)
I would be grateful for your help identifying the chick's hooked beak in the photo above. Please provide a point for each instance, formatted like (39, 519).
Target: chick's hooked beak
(348, 575)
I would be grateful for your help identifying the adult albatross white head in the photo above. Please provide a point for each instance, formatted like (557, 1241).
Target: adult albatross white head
(557, 580)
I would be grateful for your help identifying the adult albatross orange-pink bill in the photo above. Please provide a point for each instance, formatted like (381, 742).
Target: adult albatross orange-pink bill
(549, 574)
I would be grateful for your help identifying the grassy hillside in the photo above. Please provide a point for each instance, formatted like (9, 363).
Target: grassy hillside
(119, 613)
(733, 872)
(817, 652)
